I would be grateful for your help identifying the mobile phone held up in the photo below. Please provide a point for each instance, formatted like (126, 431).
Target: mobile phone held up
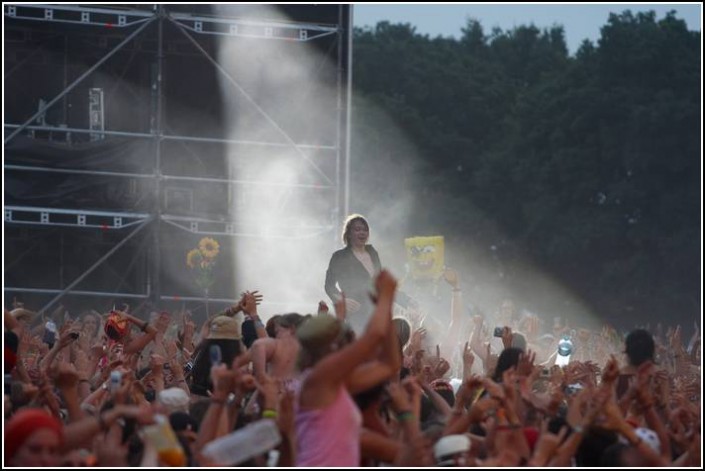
(215, 354)
(498, 331)
(49, 333)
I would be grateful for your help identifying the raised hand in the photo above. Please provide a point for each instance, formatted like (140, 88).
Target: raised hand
(66, 376)
(526, 363)
(176, 369)
(417, 362)
(493, 389)
(240, 306)
(478, 320)
(612, 418)
(417, 337)
(547, 444)
(385, 284)
(67, 334)
(611, 371)
(256, 295)
(249, 303)
(465, 392)
(415, 392)
(399, 397)
(187, 326)
(676, 337)
(442, 367)
(451, 277)
(468, 360)
(156, 362)
(577, 406)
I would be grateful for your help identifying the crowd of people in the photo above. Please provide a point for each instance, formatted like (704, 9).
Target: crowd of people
(326, 389)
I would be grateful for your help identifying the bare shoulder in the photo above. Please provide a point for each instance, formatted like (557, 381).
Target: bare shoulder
(266, 343)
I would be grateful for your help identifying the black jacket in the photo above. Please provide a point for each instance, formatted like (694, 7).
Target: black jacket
(350, 275)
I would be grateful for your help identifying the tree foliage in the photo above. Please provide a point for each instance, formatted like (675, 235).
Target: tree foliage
(587, 165)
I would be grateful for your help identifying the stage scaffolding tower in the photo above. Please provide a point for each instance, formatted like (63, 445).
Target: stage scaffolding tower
(137, 231)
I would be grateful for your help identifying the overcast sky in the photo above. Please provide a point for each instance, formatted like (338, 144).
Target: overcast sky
(579, 21)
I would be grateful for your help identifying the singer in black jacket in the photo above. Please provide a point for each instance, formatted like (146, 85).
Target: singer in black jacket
(352, 269)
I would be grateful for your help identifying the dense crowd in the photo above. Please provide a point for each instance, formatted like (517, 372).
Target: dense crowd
(115, 389)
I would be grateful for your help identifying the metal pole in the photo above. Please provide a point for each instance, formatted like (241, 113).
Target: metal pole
(163, 177)
(81, 131)
(100, 294)
(93, 267)
(348, 121)
(338, 126)
(77, 81)
(253, 102)
(156, 265)
(168, 137)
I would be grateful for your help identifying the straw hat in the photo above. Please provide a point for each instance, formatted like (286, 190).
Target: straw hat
(318, 331)
(224, 327)
(22, 314)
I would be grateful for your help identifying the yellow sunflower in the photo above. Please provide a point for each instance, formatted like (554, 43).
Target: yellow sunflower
(193, 258)
(209, 248)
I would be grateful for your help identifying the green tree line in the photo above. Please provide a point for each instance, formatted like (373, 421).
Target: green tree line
(588, 165)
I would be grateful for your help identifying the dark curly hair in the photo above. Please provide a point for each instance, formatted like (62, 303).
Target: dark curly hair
(639, 347)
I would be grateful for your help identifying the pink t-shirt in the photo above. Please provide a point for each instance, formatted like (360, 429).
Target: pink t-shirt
(329, 436)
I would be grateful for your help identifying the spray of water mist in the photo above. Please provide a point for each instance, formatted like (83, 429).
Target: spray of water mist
(284, 252)
(281, 92)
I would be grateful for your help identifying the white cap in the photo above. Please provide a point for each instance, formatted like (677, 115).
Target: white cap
(649, 437)
(174, 399)
(450, 445)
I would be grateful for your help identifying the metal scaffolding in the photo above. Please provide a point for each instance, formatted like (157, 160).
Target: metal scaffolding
(135, 22)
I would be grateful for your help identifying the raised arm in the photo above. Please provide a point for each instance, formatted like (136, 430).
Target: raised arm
(374, 372)
(249, 302)
(455, 329)
(136, 345)
(338, 366)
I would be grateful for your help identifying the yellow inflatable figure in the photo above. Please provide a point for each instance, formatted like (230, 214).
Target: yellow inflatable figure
(425, 256)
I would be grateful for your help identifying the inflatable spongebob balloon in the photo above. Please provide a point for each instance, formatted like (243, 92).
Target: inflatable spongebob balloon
(425, 256)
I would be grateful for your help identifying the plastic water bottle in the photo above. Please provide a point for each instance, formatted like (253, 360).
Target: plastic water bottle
(164, 440)
(50, 333)
(241, 445)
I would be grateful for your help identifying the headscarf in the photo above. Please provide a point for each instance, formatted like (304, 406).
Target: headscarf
(23, 424)
(116, 325)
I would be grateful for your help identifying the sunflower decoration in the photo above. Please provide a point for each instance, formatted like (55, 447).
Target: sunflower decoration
(201, 261)
(209, 248)
(194, 258)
